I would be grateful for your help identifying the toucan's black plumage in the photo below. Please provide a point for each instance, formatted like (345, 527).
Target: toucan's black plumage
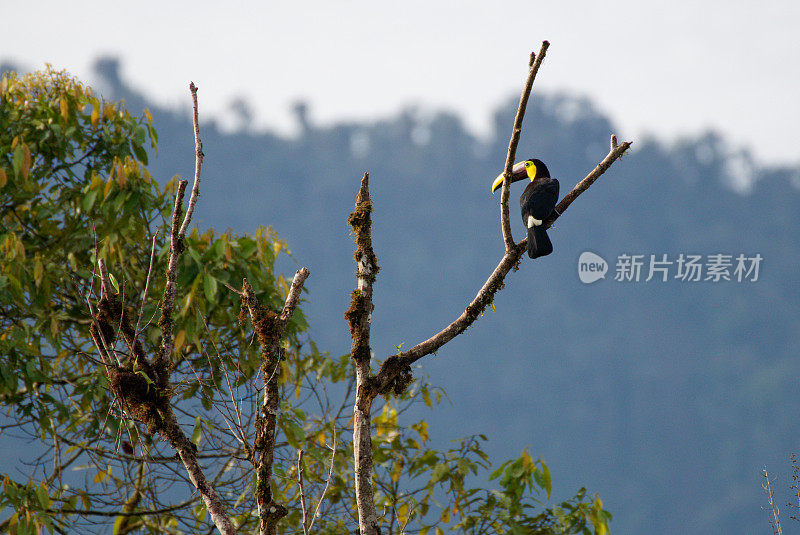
(537, 202)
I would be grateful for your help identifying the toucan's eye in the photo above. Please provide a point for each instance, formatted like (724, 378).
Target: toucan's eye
(530, 169)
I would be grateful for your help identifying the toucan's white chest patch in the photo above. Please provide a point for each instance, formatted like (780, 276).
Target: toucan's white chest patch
(533, 222)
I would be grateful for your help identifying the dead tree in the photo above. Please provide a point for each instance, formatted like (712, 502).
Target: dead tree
(395, 373)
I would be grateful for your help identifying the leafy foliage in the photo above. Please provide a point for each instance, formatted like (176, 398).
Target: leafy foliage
(74, 187)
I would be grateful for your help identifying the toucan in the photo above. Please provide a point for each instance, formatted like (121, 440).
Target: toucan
(538, 202)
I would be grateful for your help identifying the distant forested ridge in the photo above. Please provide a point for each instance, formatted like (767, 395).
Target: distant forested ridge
(666, 397)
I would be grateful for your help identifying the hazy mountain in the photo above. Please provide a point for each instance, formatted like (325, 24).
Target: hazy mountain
(666, 397)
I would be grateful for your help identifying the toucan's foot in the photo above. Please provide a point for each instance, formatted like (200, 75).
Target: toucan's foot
(555, 213)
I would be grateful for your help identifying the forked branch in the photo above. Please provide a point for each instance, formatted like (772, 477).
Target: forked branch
(395, 373)
(397, 365)
(177, 235)
(533, 68)
(269, 328)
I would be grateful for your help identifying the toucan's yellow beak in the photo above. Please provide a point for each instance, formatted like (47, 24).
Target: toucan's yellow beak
(518, 172)
(497, 182)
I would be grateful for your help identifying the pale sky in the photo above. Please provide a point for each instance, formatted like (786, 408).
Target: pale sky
(662, 67)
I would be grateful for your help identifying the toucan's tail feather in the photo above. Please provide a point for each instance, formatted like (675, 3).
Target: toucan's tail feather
(539, 243)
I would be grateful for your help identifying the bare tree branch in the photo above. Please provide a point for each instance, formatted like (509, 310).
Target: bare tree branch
(188, 455)
(328, 482)
(98, 337)
(198, 162)
(304, 521)
(775, 520)
(533, 67)
(397, 365)
(612, 156)
(162, 361)
(269, 328)
(177, 236)
(146, 286)
(105, 280)
(359, 317)
(293, 296)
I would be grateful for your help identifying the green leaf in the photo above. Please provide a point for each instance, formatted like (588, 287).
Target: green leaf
(140, 153)
(153, 136)
(548, 481)
(516, 469)
(191, 391)
(43, 496)
(114, 282)
(145, 376)
(138, 135)
(494, 475)
(32, 372)
(88, 200)
(197, 434)
(440, 472)
(194, 253)
(426, 396)
(445, 517)
(16, 160)
(199, 512)
(294, 433)
(210, 287)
